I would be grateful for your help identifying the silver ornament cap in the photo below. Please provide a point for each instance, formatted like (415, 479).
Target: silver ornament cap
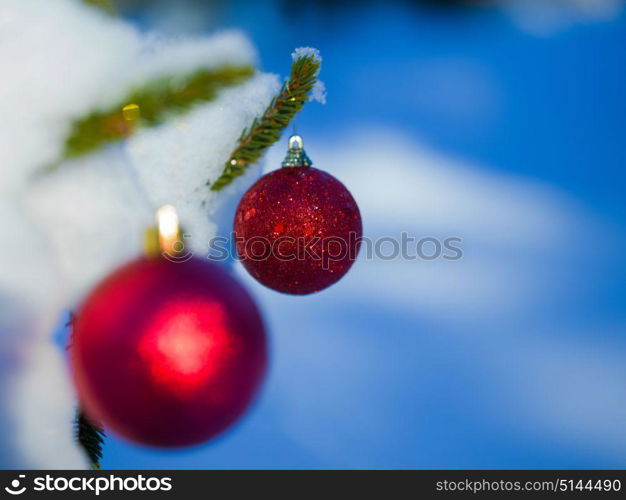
(296, 156)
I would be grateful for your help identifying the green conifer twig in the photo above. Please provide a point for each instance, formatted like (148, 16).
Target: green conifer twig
(105, 5)
(268, 128)
(155, 102)
(91, 437)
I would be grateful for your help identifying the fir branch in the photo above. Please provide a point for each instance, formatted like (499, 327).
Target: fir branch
(150, 105)
(89, 435)
(105, 5)
(268, 128)
(91, 438)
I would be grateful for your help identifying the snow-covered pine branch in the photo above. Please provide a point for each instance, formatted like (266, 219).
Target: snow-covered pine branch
(65, 229)
(152, 104)
(267, 129)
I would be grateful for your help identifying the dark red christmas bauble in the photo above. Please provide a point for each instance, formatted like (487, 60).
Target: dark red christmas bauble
(298, 230)
(168, 353)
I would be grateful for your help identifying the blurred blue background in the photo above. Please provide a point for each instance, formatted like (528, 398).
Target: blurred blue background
(501, 126)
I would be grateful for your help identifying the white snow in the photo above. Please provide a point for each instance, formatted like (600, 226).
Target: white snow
(306, 52)
(66, 229)
(318, 93)
(175, 162)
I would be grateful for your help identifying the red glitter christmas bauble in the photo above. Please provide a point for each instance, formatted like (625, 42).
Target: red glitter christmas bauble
(168, 353)
(298, 230)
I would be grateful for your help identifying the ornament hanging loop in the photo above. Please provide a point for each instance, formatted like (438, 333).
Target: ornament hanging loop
(296, 143)
(296, 156)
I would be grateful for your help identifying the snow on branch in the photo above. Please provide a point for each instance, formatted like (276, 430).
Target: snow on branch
(150, 105)
(69, 227)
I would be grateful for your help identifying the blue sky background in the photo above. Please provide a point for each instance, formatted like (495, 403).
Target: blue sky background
(445, 123)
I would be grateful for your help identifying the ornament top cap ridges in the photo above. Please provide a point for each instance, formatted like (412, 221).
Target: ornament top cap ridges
(296, 156)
